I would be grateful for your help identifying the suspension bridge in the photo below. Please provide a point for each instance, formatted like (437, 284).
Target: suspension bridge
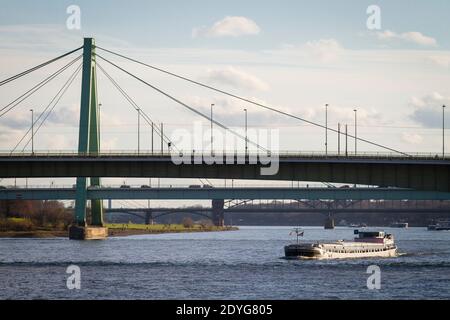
(415, 175)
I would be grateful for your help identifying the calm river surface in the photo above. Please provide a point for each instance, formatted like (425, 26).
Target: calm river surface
(244, 264)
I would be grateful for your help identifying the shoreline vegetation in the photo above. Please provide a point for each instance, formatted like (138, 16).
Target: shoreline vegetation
(22, 228)
(50, 219)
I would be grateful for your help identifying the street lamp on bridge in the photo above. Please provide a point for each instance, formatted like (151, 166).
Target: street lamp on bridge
(356, 129)
(326, 129)
(443, 131)
(138, 130)
(246, 138)
(212, 148)
(32, 131)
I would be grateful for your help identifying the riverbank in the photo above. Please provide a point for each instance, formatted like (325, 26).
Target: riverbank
(120, 230)
(117, 230)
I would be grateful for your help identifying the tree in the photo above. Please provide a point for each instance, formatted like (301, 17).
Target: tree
(187, 222)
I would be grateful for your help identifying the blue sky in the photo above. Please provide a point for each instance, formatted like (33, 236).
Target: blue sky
(294, 55)
(169, 23)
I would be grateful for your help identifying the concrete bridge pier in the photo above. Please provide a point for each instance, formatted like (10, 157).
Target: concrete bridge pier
(329, 222)
(218, 212)
(149, 217)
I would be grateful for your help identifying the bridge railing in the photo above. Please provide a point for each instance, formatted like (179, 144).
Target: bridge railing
(280, 154)
(189, 186)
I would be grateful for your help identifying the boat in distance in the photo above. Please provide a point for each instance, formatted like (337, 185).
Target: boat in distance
(401, 225)
(440, 226)
(367, 244)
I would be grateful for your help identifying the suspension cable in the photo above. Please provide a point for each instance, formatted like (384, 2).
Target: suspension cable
(185, 105)
(134, 105)
(54, 101)
(63, 90)
(19, 75)
(250, 101)
(31, 91)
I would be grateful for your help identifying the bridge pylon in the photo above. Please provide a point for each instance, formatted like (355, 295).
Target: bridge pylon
(217, 212)
(329, 222)
(149, 217)
(88, 144)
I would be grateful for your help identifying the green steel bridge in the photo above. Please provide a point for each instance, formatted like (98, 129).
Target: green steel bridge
(400, 175)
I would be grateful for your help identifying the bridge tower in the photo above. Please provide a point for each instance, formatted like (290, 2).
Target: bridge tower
(217, 212)
(149, 217)
(88, 144)
(329, 221)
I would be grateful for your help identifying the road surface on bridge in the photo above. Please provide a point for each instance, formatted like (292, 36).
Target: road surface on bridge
(262, 193)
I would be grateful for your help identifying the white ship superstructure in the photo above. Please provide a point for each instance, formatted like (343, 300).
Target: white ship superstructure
(367, 244)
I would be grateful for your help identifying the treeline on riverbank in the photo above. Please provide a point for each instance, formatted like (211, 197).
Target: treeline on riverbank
(30, 215)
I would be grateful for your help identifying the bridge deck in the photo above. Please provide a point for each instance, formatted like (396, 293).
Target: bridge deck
(419, 172)
(226, 193)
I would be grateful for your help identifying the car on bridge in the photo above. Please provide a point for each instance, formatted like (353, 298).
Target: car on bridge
(195, 186)
(124, 186)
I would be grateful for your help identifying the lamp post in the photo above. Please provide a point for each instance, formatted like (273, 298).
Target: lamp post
(443, 131)
(346, 140)
(246, 138)
(356, 129)
(138, 130)
(162, 138)
(339, 139)
(32, 131)
(326, 129)
(212, 147)
(99, 123)
(152, 136)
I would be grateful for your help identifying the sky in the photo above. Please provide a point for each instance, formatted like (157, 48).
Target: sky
(296, 56)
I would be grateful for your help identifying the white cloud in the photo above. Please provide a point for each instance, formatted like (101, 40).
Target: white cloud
(321, 51)
(343, 115)
(60, 142)
(68, 115)
(427, 110)
(228, 27)
(412, 138)
(412, 37)
(236, 78)
(326, 50)
(109, 144)
(230, 111)
(442, 60)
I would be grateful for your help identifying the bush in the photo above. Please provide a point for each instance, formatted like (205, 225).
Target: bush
(187, 223)
(16, 224)
(206, 223)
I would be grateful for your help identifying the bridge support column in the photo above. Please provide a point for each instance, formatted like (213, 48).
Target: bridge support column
(329, 222)
(217, 213)
(88, 143)
(149, 217)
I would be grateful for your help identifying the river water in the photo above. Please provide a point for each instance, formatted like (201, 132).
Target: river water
(244, 264)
